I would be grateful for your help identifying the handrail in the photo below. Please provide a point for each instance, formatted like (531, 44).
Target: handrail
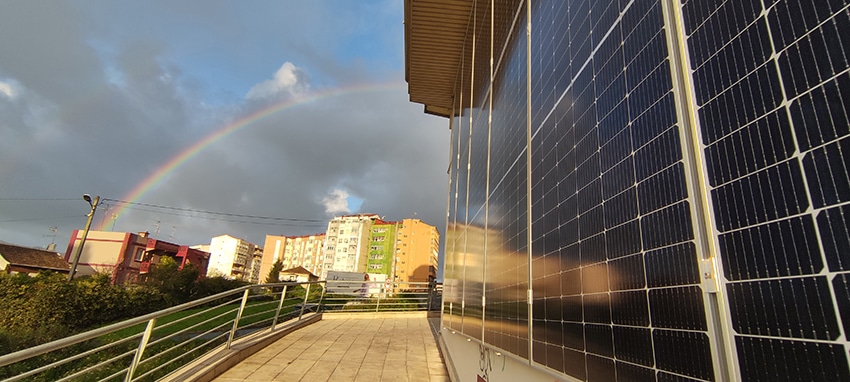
(77, 338)
(214, 327)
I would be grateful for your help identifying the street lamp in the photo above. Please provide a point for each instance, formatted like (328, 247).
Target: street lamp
(79, 250)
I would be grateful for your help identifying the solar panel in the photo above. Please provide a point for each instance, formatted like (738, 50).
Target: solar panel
(770, 83)
(648, 159)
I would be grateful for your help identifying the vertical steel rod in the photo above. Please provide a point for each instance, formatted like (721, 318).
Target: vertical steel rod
(378, 305)
(141, 350)
(321, 297)
(238, 317)
(304, 304)
(279, 306)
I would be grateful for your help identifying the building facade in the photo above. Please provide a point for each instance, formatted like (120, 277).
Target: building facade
(293, 252)
(642, 190)
(417, 248)
(233, 258)
(127, 256)
(346, 246)
(382, 248)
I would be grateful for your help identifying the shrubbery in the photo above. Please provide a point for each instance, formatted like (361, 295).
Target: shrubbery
(46, 307)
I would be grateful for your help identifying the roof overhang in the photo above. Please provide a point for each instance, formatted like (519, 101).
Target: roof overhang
(434, 36)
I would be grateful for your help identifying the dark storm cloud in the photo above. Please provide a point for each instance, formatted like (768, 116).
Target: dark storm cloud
(41, 46)
(106, 94)
(284, 165)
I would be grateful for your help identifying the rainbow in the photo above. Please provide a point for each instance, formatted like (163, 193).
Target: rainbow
(182, 157)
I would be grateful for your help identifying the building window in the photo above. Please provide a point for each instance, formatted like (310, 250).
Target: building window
(140, 254)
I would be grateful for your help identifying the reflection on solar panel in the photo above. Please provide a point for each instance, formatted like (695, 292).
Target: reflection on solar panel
(664, 135)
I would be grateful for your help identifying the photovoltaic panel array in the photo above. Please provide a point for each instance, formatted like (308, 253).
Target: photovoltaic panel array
(772, 91)
(614, 267)
(630, 196)
(506, 311)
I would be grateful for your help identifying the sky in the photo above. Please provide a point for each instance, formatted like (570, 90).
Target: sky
(217, 117)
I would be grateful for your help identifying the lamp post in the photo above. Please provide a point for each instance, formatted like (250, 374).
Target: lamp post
(79, 250)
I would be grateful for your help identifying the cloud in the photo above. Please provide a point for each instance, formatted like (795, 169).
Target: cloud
(288, 80)
(336, 202)
(7, 90)
(132, 95)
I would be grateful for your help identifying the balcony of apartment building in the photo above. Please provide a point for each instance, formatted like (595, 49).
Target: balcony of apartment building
(310, 331)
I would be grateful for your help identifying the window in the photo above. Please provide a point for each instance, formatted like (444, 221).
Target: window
(140, 254)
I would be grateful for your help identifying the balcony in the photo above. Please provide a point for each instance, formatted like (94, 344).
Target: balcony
(144, 267)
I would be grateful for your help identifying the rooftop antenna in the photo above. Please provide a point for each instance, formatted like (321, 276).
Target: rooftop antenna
(156, 228)
(173, 229)
(103, 219)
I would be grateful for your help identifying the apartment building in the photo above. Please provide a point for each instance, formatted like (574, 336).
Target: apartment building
(382, 248)
(293, 252)
(346, 246)
(417, 246)
(233, 258)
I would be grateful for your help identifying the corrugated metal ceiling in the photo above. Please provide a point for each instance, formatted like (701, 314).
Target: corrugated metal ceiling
(434, 33)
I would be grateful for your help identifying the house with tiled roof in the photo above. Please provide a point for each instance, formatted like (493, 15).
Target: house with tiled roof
(298, 274)
(17, 259)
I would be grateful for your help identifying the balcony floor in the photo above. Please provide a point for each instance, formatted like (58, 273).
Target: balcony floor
(349, 347)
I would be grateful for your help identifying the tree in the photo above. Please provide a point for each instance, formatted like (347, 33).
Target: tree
(176, 283)
(274, 276)
(274, 273)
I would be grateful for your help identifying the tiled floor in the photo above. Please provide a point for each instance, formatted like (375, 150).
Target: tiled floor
(346, 348)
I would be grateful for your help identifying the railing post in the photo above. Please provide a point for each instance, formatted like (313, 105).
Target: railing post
(430, 294)
(304, 304)
(143, 343)
(238, 317)
(279, 306)
(378, 304)
(322, 297)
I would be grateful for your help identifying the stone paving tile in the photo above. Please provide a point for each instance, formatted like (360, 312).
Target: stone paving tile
(342, 349)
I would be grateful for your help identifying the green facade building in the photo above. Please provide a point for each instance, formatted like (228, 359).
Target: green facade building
(382, 246)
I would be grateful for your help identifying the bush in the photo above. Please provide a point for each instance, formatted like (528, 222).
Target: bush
(46, 307)
(215, 285)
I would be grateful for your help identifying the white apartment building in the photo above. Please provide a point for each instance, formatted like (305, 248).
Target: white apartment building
(347, 244)
(233, 258)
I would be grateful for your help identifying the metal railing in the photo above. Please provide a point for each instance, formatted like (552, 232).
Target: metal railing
(155, 345)
(379, 296)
